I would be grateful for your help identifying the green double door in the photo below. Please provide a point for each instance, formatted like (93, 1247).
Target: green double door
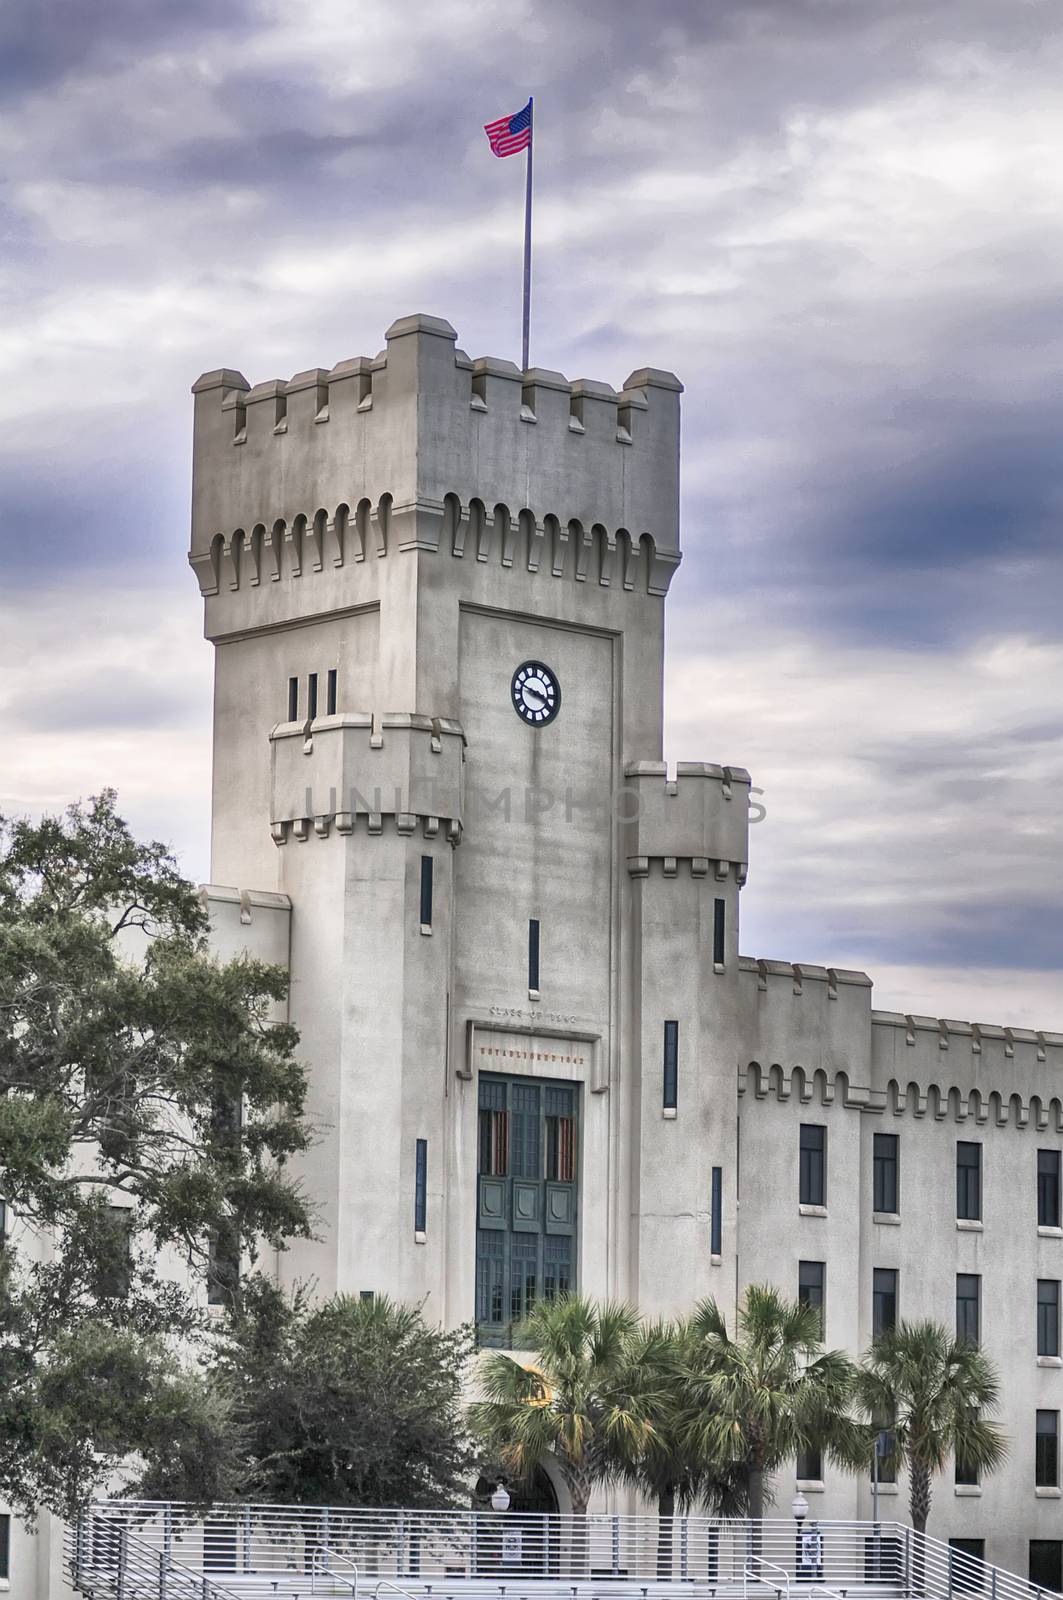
(526, 1192)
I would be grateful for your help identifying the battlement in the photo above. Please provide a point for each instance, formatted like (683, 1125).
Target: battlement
(402, 438)
(812, 1032)
(700, 815)
(335, 769)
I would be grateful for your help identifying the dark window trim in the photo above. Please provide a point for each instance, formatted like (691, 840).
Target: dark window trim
(1046, 1454)
(968, 1181)
(879, 1294)
(719, 931)
(427, 866)
(1048, 1325)
(670, 1095)
(533, 953)
(716, 1218)
(812, 1177)
(1048, 1190)
(966, 1300)
(420, 1187)
(885, 1177)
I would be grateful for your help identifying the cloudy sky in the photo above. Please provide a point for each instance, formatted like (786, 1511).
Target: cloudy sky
(841, 223)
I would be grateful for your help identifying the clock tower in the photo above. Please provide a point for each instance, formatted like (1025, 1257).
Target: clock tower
(436, 591)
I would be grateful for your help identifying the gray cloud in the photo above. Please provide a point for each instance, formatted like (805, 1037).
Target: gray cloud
(838, 221)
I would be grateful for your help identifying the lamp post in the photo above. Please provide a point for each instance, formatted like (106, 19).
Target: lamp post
(799, 1511)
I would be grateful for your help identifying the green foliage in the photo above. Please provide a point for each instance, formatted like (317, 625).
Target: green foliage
(934, 1393)
(124, 1047)
(768, 1393)
(347, 1402)
(588, 1398)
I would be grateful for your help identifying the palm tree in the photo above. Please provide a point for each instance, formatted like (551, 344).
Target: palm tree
(667, 1468)
(936, 1389)
(585, 1401)
(769, 1393)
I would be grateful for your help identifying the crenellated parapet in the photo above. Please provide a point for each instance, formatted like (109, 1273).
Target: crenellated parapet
(355, 769)
(814, 1038)
(700, 816)
(421, 448)
(345, 536)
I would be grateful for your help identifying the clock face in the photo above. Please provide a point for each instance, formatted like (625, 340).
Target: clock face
(536, 694)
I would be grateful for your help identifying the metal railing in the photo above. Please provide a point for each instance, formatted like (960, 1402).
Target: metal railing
(292, 1552)
(105, 1559)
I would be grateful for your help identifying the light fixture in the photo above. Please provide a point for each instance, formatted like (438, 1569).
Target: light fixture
(799, 1507)
(500, 1498)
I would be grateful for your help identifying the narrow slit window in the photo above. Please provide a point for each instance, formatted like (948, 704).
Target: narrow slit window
(5, 1545)
(330, 693)
(311, 696)
(719, 914)
(716, 1217)
(671, 1065)
(426, 891)
(223, 1265)
(293, 699)
(533, 953)
(420, 1187)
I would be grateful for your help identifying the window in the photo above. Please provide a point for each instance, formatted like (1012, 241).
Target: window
(367, 1294)
(420, 1187)
(885, 1173)
(426, 891)
(1048, 1316)
(810, 1466)
(223, 1265)
(1048, 1188)
(293, 699)
(966, 1471)
(885, 1446)
(671, 1065)
(114, 1263)
(3, 1221)
(533, 954)
(966, 1569)
(811, 1276)
(968, 1181)
(883, 1301)
(560, 1139)
(968, 1307)
(813, 1182)
(330, 693)
(311, 696)
(716, 1214)
(719, 913)
(1046, 1563)
(5, 1545)
(494, 1131)
(1046, 1450)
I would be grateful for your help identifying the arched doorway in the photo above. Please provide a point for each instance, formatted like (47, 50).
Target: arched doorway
(521, 1540)
(534, 1493)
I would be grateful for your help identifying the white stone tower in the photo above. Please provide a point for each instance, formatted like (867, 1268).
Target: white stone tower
(512, 942)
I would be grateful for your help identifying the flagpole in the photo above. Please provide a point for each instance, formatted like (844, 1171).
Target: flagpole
(527, 240)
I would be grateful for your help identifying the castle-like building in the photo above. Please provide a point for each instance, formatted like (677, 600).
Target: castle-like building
(436, 590)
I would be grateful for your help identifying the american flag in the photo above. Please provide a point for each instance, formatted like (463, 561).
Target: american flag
(510, 134)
